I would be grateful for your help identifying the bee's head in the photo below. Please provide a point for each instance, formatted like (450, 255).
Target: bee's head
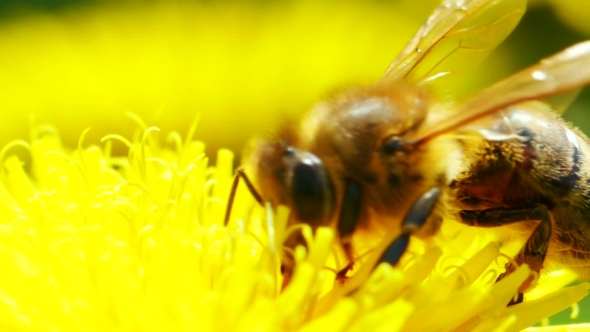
(298, 179)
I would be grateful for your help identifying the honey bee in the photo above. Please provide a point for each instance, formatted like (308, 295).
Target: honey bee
(362, 159)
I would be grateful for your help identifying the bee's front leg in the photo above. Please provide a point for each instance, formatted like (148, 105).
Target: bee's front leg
(535, 249)
(414, 219)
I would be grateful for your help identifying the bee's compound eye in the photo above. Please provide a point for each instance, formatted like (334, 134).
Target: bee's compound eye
(394, 144)
(311, 190)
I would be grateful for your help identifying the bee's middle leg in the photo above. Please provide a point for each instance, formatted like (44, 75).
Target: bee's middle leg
(534, 250)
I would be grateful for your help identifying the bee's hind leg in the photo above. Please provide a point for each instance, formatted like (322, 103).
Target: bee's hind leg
(534, 250)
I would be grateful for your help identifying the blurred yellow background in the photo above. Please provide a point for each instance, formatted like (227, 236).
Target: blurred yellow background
(241, 65)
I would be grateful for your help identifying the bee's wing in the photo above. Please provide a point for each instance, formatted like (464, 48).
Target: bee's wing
(559, 74)
(456, 37)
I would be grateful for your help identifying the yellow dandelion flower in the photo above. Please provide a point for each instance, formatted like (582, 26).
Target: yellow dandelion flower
(96, 242)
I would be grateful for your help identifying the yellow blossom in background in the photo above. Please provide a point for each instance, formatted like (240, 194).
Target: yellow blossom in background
(247, 63)
(572, 12)
(121, 226)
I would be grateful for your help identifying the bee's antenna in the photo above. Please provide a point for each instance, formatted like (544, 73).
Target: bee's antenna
(234, 188)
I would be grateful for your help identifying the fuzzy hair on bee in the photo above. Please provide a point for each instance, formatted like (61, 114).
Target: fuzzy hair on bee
(361, 180)
(394, 156)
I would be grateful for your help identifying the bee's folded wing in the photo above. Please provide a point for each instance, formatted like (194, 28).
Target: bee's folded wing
(456, 38)
(559, 74)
